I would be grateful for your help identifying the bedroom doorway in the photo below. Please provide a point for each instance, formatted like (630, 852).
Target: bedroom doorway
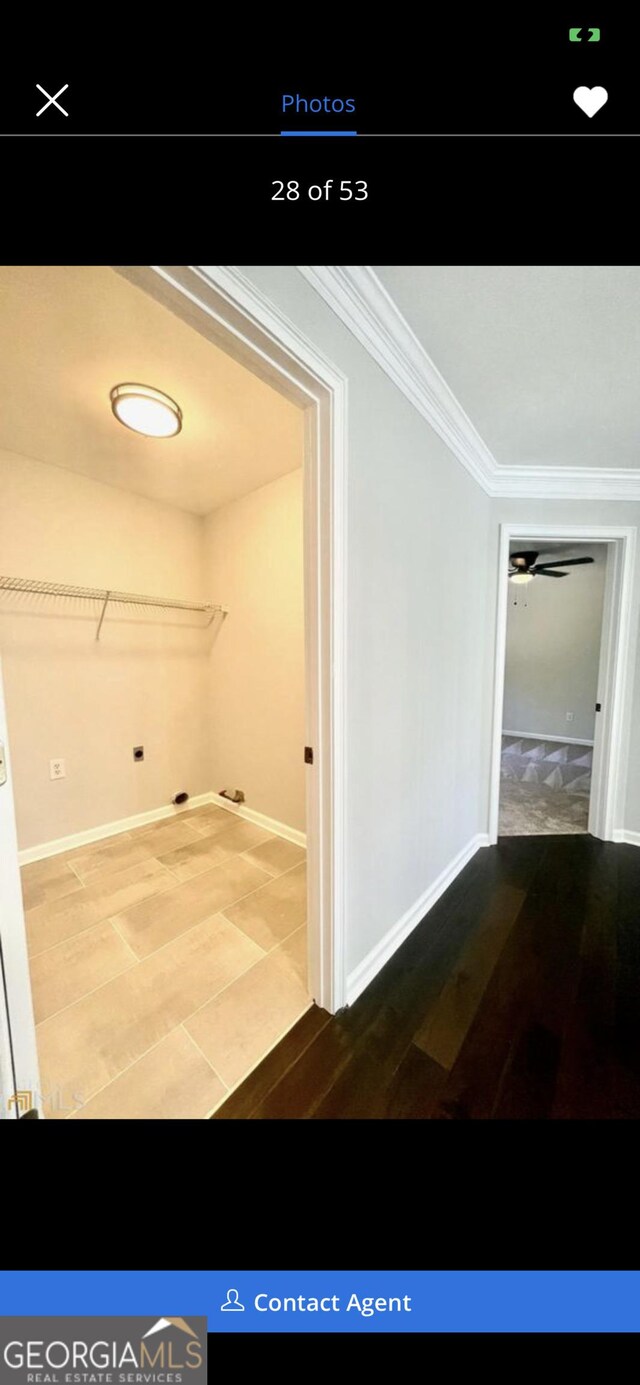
(551, 687)
(532, 623)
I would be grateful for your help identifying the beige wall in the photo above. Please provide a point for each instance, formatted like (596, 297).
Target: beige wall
(553, 650)
(254, 556)
(88, 702)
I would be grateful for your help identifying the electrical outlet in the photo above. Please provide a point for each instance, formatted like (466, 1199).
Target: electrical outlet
(57, 769)
(570, 716)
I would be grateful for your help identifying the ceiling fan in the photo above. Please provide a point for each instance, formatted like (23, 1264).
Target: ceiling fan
(523, 566)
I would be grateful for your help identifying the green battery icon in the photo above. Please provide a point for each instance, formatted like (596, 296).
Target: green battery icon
(579, 35)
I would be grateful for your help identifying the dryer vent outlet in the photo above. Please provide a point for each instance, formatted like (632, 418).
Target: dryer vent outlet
(234, 795)
(180, 798)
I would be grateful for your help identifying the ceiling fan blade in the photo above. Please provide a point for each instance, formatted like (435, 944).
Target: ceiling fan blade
(538, 573)
(563, 562)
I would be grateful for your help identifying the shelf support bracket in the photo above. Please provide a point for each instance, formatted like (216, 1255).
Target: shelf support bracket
(102, 613)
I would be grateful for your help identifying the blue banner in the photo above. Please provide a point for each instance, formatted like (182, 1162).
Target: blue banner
(342, 1300)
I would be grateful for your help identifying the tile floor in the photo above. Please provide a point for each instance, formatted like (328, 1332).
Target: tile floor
(165, 963)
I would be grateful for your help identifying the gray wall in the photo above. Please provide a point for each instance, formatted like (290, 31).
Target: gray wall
(553, 649)
(417, 648)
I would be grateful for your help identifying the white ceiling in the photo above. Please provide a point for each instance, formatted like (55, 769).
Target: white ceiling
(545, 360)
(68, 334)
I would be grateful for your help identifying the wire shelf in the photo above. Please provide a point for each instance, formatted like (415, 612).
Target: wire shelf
(28, 584)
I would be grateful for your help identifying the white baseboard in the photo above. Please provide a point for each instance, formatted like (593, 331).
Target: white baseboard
(279, 829)
(542, 736)
(111, 829)
(364, 973)
(620, 834)
(108, 829)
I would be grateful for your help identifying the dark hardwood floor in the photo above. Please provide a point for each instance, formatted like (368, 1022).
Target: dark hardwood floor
(516, 998)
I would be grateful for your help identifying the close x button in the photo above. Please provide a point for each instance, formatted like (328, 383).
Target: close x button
(52, 100)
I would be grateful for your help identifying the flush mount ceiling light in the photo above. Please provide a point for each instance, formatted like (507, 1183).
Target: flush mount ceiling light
(146, 410)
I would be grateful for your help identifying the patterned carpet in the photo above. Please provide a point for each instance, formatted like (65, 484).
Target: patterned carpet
(545, 787)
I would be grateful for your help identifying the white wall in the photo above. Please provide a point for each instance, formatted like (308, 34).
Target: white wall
(553, 649)
(416, 636)
(256, 707)
(68, 696)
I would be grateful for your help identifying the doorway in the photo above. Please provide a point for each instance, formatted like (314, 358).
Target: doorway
(551, 686)
(280, 857)
(544, 779)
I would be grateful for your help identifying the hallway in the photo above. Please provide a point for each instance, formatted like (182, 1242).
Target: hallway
(518, 997)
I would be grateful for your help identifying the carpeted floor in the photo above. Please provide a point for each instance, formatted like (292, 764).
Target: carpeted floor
(545, 787)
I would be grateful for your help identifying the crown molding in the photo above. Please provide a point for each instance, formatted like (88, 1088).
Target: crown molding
(361, 301)
(566, 482)
(355, 293)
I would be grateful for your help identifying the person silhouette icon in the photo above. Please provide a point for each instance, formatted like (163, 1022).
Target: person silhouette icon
(232, 1303)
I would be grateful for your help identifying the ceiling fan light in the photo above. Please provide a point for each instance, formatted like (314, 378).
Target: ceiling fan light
(521, 577)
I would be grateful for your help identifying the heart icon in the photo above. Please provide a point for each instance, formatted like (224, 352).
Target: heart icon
(590, 99)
